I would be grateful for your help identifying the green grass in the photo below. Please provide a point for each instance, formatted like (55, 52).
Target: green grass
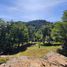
(38, 52)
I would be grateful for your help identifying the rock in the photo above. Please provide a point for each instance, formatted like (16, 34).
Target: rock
(50, 60)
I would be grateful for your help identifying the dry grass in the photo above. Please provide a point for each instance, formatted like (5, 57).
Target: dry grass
(3, 59)
(38, 52)
(32, 51)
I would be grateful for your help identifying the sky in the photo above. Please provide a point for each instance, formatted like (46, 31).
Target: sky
(27, 10)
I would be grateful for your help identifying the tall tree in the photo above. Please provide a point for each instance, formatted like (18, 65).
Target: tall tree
(47, 32)
(59, 32)
(64, 18)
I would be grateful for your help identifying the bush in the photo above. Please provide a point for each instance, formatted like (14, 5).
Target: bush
(63, 52)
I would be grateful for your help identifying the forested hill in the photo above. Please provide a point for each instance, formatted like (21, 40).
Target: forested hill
(38, 23)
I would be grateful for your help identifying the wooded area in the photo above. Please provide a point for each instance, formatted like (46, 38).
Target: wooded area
(14, 34)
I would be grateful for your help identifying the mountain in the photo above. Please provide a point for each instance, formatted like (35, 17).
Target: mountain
(38, 23)
(35, 25)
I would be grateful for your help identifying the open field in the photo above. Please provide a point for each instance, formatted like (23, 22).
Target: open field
(32, 51)
(38, 52)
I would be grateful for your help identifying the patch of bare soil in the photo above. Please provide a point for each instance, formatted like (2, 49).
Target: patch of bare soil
(50, 60)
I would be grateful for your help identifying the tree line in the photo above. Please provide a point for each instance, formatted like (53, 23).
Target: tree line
(15, 33)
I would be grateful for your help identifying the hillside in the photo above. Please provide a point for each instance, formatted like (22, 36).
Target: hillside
(38, 23)
(50, 60)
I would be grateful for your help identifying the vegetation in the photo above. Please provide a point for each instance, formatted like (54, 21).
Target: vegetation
(38, 52)
(17, 35)
(3, 60)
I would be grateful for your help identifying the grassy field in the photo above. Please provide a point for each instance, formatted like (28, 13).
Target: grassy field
(38, 52)
(34, 51)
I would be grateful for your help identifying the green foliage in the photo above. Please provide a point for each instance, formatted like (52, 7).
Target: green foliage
(59, 32)
(11, 34)
(64, 18)
(56, 31)
(46, 31)
(35, 29)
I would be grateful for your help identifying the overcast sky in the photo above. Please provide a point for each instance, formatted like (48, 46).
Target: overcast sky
(26, 10)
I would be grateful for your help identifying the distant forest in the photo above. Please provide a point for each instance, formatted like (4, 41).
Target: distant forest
(15, 34)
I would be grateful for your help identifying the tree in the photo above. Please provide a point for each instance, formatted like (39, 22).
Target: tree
(55, 33)
(59, 32)
(11, 34)
(64, 18)
(31, 33)
(38, 36)
(20, 32)
(46, 31)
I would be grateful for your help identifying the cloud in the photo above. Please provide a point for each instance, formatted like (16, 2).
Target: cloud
(30, 9)
(35, 5)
